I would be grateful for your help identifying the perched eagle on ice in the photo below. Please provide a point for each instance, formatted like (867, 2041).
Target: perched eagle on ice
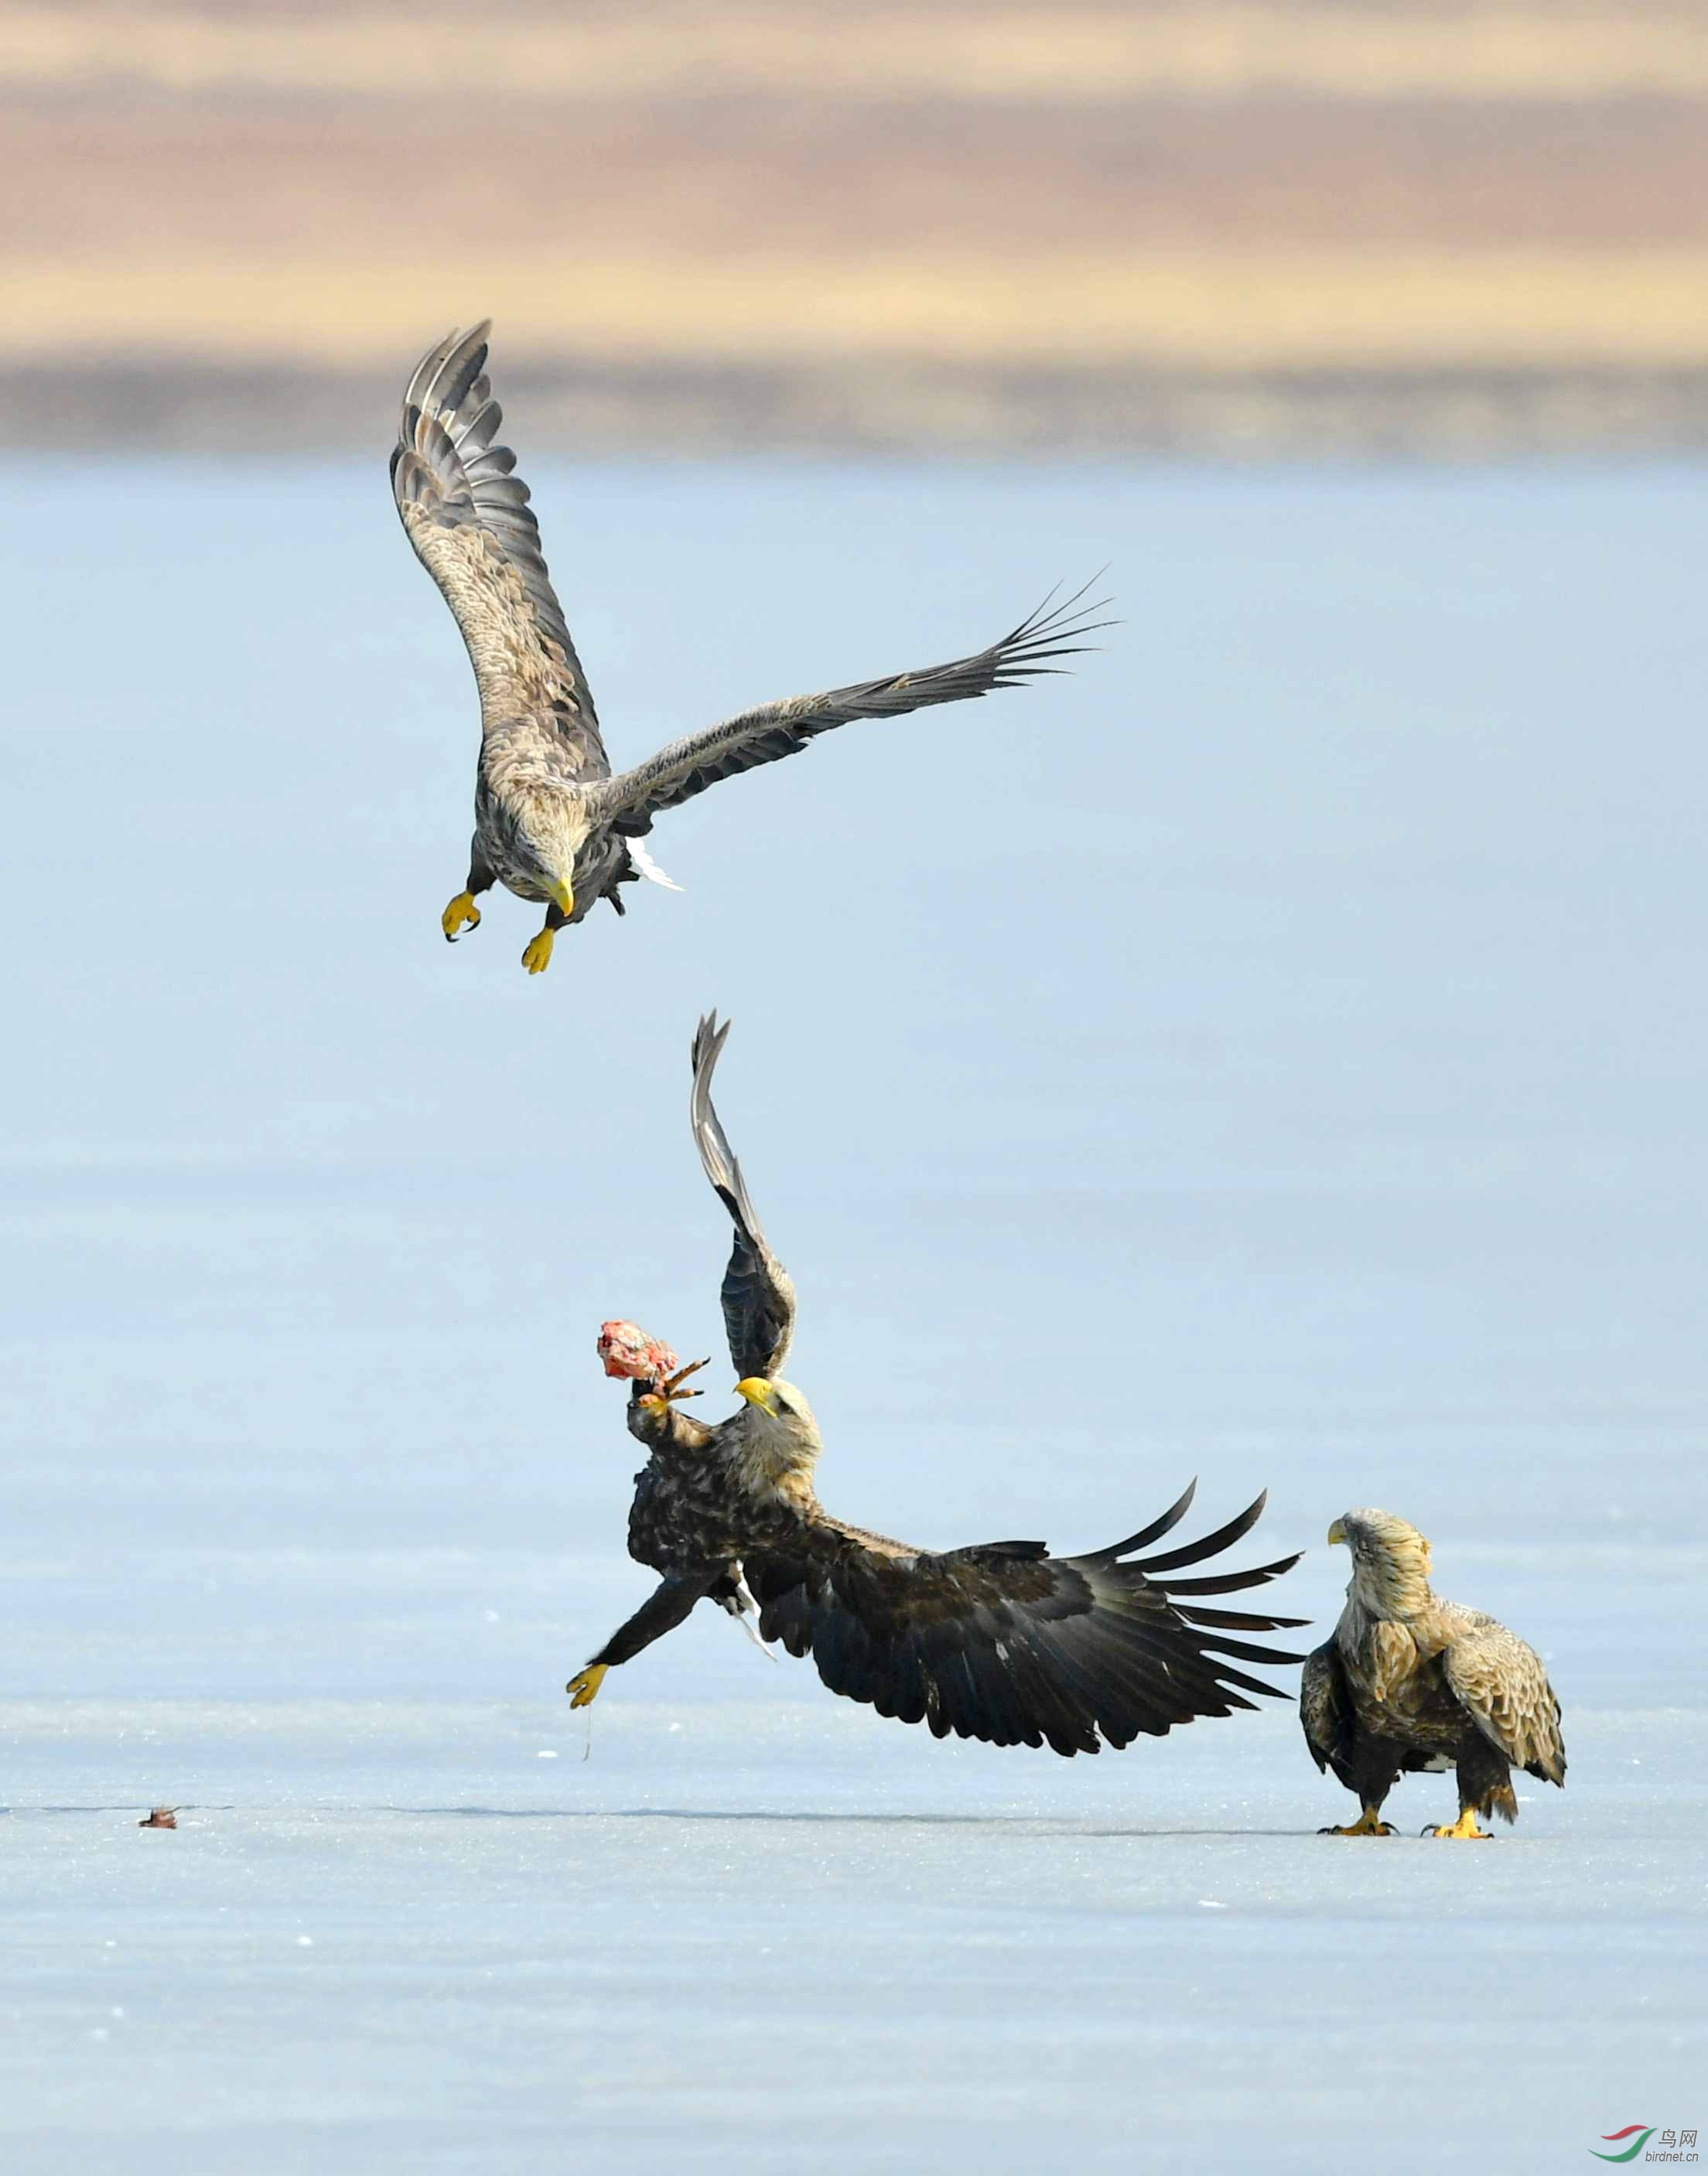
(1410, 1682)
(551, 823)
(1002, 1641)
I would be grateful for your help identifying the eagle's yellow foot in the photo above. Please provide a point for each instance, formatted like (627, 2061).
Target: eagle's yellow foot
(1368, 1823)
(538, 958)
(670, 1390)
(462, 909)
(663, 1395)
(1465, 1827)
(583, 1688)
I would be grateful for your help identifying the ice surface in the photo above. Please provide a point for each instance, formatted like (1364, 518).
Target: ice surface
(388, 1935)
(1277, 1053)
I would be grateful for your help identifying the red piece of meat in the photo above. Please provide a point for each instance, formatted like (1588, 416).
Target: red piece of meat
(629, 1353)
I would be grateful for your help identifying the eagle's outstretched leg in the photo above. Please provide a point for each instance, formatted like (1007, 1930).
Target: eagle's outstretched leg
(462, 909)
(656, 1421)
(669, 1390)
(536, 953)
(1465, 1827)
(666, 1608)
(1368, 1823)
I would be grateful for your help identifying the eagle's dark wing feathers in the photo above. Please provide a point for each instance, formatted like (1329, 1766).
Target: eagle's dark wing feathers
(1326, 1713)
(1006, 1643)
(687, 767)
(758, 1298)
(467, 514)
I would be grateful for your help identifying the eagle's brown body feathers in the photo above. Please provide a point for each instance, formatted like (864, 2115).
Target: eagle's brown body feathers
(702, 1496)
(1410, 1682)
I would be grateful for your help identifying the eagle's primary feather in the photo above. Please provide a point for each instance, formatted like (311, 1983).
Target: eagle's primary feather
(465, 511)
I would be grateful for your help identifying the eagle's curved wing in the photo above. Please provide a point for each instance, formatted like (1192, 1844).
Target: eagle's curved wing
(467, 514)
(1326, 1713)
(631, 800)
(758, 1296)
(1009, 1644)
(1501, 1682)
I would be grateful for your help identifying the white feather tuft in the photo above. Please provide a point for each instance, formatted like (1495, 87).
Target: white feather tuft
(746, 1611)
(648, 868)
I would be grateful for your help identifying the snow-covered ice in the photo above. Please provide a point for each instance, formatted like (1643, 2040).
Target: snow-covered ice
(385, 1935)
(1281, 1057)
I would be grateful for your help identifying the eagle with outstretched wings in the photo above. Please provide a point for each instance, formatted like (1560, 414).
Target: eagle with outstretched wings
(1002, 1641)
(552, 822)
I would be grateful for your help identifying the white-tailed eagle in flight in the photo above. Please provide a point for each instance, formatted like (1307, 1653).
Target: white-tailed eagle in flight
(553, 824)
(1002, 1641)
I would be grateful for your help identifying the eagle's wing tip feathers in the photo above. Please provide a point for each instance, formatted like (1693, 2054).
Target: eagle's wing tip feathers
(708, 1040)
(1051, 630)
(1164, 1523)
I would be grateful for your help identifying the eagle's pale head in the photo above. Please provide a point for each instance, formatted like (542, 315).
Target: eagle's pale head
(1390, 1561)
(549, 830)
(778, 1429)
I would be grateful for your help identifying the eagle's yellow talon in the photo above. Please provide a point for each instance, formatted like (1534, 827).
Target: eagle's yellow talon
(670, 1390)
(1465, 1828)
(1368, 1823)
(538, 958)
(583, 1688)
(462, 909)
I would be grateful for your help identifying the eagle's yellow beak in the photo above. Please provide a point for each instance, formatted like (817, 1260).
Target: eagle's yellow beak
(1337, 1533)
(759, 1392)
(562, 898)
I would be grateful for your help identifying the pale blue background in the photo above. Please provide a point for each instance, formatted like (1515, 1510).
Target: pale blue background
(1277, 1053)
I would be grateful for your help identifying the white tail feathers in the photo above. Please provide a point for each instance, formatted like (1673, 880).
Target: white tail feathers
(745, 1610)
(645, 866)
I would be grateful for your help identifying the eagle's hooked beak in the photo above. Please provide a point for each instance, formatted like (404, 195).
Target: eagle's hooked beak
(1337, 1533)
(759, 1392)
(563, 897)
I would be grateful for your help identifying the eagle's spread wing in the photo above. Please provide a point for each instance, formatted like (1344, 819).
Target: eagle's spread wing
(468, 517)
(676, 774)
(758, 1299)
(1501, 1682)
(1009, 1644)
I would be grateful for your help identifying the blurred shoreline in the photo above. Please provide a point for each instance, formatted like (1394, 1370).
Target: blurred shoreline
(1432, 227)
(225, 410)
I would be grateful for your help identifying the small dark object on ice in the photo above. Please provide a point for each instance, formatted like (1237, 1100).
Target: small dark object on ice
(162, 1817)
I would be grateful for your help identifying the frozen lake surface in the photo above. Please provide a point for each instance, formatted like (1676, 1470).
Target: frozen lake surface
(1277, 1053)
(397, 1937)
